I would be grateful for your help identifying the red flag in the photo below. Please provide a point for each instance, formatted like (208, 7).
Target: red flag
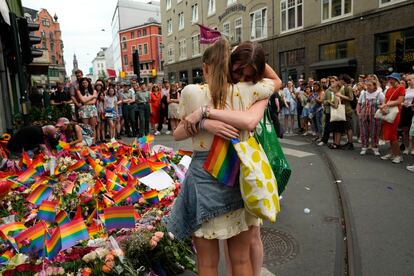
(111, 73)
(207, 35)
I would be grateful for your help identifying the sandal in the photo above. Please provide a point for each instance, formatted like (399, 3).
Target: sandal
(333, 146)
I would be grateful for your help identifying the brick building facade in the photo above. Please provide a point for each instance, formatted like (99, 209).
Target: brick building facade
(147, 40)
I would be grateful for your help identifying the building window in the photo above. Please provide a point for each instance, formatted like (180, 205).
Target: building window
(45, 22)
(211, 7)
(170, 54)
(124, 44)
(44, 45)
(182, 50)
(333, 9)
(51, 36)
(139, 33)
(292, 64)
(132, 34)
(42, 34)
(291, 14)
(159, 31)
(258, 24)
(145, 49)
(54, 60)
(389, 2)
(337, 50)
(133, 48)
(238, 30)
(144, 32)
(226, 29)
(126, 61)
(169, 26)
(180, 21)
(394, 50)
(139, 49)
(168, 4)
(52, 46)
(194, 12)
(231, 2)
(195, 42)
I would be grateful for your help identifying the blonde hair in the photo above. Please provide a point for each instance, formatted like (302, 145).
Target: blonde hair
(217, 58)
(375, 79)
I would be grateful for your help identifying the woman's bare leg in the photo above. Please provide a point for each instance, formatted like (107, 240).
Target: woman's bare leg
(207, 256)
(239, 252)
(256, 251)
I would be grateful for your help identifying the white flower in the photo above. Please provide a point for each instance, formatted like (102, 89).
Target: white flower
(171, 236)
(90, 257)
(102, 252)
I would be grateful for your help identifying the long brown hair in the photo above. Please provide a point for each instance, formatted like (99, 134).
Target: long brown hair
(249, 53)
(216, 57)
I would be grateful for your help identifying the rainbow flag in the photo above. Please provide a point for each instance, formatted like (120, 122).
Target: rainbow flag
(94, 230)
(112, 180)
(155, 166)
(126, 192)
(62, 218)
(124, 163)
(27, 175)
(47, 211)
(109, 160)
(223, 162)
(54, 244)
(178, 172)
(37, 164)
(6, 256)
(42, 192)
(99, 187)
(9, 228)
(140, 170)
(151, 196)
(161, 157)
(62, 145)
(83, 188)
(81, 165)
(99, 170)
(25, 161)
(32, 239)
(119, 217)
(71, 233)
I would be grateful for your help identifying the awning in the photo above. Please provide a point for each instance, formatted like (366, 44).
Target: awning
(337, 63)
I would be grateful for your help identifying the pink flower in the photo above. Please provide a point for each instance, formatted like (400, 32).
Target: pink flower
(153, 243)
(159, 234)
(150, 227)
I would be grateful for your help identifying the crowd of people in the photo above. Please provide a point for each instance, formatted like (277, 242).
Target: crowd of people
(114, 109)
(312, 103)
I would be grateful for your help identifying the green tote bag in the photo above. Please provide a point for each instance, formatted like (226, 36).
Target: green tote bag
(266, 135)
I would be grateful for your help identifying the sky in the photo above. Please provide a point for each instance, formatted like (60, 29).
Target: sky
(85, 26)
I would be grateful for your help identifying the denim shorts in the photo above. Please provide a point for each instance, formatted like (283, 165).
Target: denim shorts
(201, 198)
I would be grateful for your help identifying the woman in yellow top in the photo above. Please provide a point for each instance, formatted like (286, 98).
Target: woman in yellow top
(205, 209)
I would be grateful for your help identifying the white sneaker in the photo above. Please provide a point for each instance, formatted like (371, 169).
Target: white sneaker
(381, 142)
(410, 168)
(157, 133)
(406, 152)
(321, 143)
(397, 159)
(305, 133)
(388, 156)
(412, 152)
(363, 151)
(168, 132)
(376, 151)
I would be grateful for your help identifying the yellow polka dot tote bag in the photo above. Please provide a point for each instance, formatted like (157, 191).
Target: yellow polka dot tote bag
(258, 183)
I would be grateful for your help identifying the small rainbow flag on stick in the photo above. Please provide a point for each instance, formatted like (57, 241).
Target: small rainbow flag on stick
(62, 218)
(32, 239)
(94, 230)
(42, 192)
(151, 196)
(7, 229)
(6, 256)
(99, 170)
(222, 161)
(27, 175)
(71, 233)
(119, 217)
(140, 170)
(126, 192)
(47, 211)
(62, 145)
(54, 244)
(79, 166)
(155, 166)
(25, 161)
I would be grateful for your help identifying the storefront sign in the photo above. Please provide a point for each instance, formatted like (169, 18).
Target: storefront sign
(231, 9)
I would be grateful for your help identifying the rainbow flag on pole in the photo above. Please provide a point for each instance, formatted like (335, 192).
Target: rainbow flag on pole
(62, 145)
(10, 228)
(62, 218)
(126, 192)
(71, 233)
(27, 175)
(42, 192)
(79, 166)
(151, 196)
(119, 217)
(99, 170)
(223, 162)
(54, 244)
(140, 170)
(6, 256)
(25, 161)
(155, 166)
(32, 239)
(47, 211)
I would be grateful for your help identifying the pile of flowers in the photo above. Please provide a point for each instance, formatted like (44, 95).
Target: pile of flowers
(87, 212)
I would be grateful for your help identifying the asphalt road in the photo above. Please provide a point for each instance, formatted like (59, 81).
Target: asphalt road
(379, 198)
